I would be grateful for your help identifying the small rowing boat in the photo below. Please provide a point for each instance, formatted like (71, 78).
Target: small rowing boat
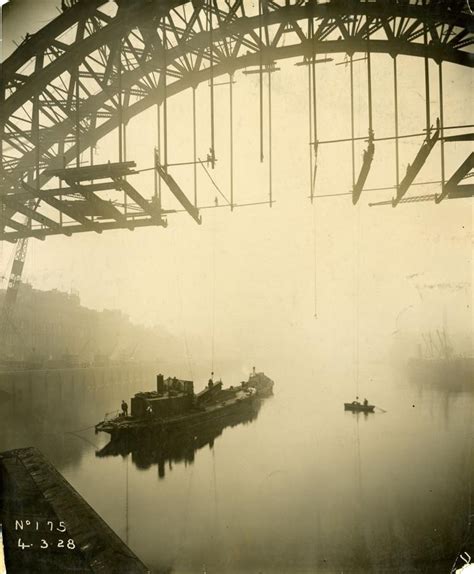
(357, 407)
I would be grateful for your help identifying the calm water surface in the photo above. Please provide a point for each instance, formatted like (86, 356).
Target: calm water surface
(303, 487)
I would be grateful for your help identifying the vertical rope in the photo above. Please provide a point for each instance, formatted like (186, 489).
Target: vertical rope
(395, 100)
(165, 96)
(358, 301)
(183, 324)
(441, 120)
(125, 199)
(315, 261)
(270, 166)
(126, 500)
(77, 118)
(369, 78)
(427, 76)
(315, 152)
(231, 140)
(120, 112)
(158, 151)
(356, 263)
(310, 130)
(213, 291)
(260, 77)
(194, 148)
(352, 120)
(120, 109)
(211, 63)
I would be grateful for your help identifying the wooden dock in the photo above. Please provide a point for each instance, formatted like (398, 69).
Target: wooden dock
(49, 528)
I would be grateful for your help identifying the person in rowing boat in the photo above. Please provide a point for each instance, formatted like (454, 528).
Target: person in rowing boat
(366, 402)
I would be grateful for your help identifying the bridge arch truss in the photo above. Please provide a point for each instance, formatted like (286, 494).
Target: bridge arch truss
(95, 67)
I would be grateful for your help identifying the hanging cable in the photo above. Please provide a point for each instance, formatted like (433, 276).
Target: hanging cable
(125, 199)
(315, 113)
(120, 113)
(211, 63)
(77, 118)
(158, 149)
(183, 324)
(270, 166)
(357, 310)
(441, 124)
(260, 77)
(155, 173)
(315, 261)
(310, 131)
(126, 500)
(120, 103)
(369, 79)
(194, 148)
(351, 66)
(213, 302)
(356, 259)
(427, 76)
(165, 97)
(231, 141)
(395, 99)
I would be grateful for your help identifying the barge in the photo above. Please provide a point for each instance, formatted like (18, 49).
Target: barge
(174, 408)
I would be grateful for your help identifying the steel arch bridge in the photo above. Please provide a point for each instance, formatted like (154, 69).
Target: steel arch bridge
(99, 64)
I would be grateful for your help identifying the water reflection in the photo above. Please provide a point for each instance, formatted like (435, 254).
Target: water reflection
(179, 447)
(51, 409)
(307, 488)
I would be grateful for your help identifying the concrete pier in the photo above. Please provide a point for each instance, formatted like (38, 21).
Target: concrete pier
(49, 528)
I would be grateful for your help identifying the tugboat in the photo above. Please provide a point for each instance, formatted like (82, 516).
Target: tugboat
(358, 407)
(174, 408)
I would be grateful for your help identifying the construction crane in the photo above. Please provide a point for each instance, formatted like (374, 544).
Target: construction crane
(11, 295)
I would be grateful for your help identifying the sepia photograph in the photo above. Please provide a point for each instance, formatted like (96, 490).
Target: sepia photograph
(236, 324)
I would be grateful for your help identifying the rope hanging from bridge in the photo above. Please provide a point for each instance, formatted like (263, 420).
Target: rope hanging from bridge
(395, 105)
(313, 115)
(260, 77)
(441, 132)
(164, 80)
(231, 141)
(313, 151)
(270, 166)
(195, 185)
(211, 80)
(427, 74)
(351, 66)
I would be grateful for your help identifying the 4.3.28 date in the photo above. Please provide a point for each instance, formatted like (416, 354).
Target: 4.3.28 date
(43, 544)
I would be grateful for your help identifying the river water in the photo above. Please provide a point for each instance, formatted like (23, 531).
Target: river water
(303, 487)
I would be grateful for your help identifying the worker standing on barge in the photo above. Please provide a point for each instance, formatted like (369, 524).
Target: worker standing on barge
(124, 408)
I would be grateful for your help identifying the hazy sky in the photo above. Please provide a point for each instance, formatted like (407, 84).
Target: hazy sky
(249, 282)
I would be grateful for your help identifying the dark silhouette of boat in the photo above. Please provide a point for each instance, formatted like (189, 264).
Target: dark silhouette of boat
(174, 408)
(357, 407)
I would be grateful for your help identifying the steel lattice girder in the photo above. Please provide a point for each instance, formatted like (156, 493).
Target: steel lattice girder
(128, 52)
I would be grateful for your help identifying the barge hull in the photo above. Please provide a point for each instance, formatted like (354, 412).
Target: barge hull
(161, 429)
